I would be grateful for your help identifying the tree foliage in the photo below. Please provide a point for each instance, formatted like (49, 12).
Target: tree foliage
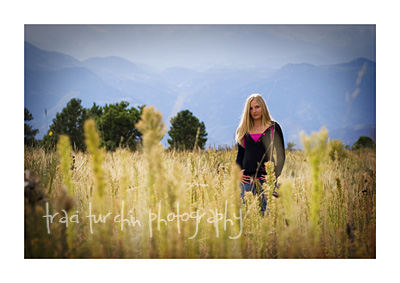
(29, 132)
(69, 122)
(290, 146)
(187, 131)
(363, 142)
(116, 125)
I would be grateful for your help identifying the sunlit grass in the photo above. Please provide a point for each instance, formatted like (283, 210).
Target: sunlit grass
(325, 208)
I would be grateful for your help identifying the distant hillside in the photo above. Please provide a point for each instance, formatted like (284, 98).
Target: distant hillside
(38, 59)
(300, 97)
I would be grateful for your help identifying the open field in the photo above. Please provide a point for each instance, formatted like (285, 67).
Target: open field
(154, 203)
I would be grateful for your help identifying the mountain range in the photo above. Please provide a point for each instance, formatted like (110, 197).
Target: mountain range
(300, 97)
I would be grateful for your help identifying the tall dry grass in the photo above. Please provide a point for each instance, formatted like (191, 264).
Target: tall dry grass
(124, 204)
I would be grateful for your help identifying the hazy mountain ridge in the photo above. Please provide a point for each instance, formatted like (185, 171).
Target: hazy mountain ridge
(299, 96)
(38, 59)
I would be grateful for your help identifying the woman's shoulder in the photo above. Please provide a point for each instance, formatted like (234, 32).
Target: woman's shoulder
(277, 127)
(274, 125)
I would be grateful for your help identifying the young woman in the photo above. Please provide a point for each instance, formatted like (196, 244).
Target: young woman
(259, 140)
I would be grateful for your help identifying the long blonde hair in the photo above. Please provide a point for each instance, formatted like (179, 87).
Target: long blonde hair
(247, 122)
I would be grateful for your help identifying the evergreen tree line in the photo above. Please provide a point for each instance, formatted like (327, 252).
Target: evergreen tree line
(116, 125)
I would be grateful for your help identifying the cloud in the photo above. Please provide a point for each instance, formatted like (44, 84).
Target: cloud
(62, 103)
(355, 93)
(359, 80)
(347, 97)
(361, 73)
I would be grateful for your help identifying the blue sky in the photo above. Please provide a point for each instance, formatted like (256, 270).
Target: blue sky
(206, 46)
(203, 46)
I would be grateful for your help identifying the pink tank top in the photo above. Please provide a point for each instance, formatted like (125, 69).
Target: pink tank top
(256, 137)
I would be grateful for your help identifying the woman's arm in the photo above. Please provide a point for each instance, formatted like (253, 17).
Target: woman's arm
(279, 145)
(239, 157)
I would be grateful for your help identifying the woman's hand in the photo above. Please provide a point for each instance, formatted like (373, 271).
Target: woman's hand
(243, 178)
(264, 178)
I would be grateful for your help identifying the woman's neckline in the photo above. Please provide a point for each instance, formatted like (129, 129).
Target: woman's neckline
(261, 132)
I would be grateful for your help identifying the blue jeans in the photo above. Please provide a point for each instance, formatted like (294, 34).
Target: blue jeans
(251, 187)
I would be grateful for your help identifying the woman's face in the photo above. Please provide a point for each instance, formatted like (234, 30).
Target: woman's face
(255, 110)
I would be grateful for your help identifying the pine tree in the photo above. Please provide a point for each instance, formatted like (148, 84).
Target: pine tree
(69, 122)
(363, 142)
(116, 124)
(29, 133)
(187, 131)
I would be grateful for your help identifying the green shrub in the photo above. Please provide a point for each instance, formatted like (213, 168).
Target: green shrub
(337, 150)
(363, 142)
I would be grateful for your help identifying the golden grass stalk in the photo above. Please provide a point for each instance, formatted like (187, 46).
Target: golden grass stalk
(316, 148)
(153, 130)
(64, 152)
(92, 140)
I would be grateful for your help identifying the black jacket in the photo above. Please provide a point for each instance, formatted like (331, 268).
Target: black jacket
(255, 154)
